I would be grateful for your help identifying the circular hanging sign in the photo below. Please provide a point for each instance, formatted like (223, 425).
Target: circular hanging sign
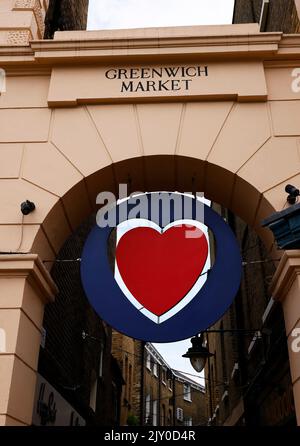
(161, 287)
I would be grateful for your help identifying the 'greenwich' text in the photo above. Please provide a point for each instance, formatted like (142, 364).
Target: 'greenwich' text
(145, 79)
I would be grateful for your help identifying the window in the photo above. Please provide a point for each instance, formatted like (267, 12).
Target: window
(164, 376)
(170, 378)
(148, 361)
(188, 421)
(154, 413)
(148, 409)
(155, 369)
(187, 395)
(179, 414)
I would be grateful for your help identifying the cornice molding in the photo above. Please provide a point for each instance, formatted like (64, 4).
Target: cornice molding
(86, 47)
(31, 268)
(151, 46)
(287, 272)
(185, 46)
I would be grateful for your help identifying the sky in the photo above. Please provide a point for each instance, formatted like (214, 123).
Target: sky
(118, 14)
(114, 14)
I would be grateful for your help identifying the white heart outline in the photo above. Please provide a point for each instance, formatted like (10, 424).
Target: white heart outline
(128, 225)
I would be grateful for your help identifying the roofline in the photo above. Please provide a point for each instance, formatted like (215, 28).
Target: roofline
(149, 346)
(153, 45)
(180, 375)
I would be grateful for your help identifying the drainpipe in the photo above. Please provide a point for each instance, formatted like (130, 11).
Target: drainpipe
(159, 394)
(174, 401)
(210, 384)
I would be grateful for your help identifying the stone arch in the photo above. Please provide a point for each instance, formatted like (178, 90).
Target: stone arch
(194, 146)
(80, 201)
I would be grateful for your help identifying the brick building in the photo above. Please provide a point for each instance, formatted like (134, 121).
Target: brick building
(158, 391)
(65, 15)
(153, 393)
(190, 398)
(273, 15)
(249, 381)
(170, 397)
(128, 353)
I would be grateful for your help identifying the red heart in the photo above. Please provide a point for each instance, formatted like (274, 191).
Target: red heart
(160, 269)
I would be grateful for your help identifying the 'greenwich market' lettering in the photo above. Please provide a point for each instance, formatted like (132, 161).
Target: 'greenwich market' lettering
(134, 80)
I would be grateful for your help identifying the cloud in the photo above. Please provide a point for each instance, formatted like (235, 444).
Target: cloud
(110, 14)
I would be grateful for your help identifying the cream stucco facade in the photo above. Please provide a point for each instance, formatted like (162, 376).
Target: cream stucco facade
(72, 125)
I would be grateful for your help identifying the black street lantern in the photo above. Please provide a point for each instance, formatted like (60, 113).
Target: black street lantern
(285, 224)
(197, 354)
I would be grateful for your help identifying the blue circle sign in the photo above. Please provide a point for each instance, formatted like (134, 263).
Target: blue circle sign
(162, 288)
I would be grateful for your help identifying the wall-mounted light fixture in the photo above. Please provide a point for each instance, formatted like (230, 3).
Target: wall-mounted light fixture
(27, 207)
(293, 193)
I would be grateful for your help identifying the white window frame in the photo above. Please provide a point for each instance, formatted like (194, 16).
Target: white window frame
(148, 361)
(187, 394)
(155, 369)
(264, 15)
(164, 376)
(188, 421)
(148, 407)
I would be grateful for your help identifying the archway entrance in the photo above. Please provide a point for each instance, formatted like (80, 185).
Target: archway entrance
(226, 126)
